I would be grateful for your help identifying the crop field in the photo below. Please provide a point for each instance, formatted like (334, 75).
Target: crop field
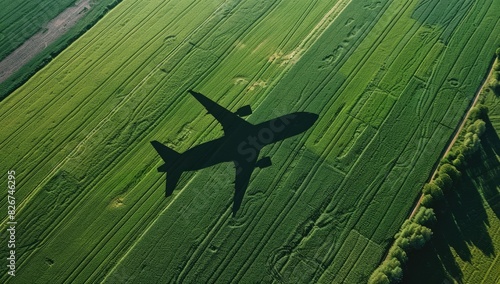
(465, 245)
(33, 32)
(390, 81)
(22, 19)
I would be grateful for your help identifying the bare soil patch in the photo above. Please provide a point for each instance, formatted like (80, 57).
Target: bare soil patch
(38, 42)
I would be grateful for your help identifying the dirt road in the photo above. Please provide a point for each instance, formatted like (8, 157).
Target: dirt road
(38, 42)
(457, 133)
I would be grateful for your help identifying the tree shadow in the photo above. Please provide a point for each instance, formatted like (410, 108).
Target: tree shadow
(490, 184)
(462, 218)
(436, 259)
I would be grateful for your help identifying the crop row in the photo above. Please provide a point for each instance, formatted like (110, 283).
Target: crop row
(384, 84)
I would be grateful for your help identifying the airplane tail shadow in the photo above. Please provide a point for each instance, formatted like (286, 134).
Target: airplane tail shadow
(241, 144)
(170, 157)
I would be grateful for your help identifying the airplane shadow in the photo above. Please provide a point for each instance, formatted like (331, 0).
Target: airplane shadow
(240, 144)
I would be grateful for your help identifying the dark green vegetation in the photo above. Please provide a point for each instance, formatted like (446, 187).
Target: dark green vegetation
(22, 19)
(415, 232)
(465, 243)
(412, 236)
(495, 78)
(390, 81)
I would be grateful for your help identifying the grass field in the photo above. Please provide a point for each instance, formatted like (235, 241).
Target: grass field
(22, 19)
(390, 81)
(464, 248)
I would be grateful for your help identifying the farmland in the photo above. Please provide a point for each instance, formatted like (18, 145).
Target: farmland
(389, 80)
(22, 19)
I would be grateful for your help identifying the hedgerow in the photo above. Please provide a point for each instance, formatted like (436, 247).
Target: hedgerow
(416, 232)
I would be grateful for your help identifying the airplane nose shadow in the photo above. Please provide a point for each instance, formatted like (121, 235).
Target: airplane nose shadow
(241, 144)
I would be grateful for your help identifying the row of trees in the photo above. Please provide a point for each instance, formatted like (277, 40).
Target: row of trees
(454, 161)
(494, 83)
(415, 232)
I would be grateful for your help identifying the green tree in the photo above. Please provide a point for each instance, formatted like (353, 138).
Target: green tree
(435, 191)
(478, 111)
(415, 234)
(378, 277)
(450, 156)
(399, 253)
(394, 270)
(459, 161)
(427, 200)
(450, 170)
(480, 126)
(471, 143)
(425, 216)
(495, 87)
(444, 181)
(389, 271)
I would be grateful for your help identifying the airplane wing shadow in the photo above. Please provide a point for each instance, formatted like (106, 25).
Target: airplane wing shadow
(241, 144)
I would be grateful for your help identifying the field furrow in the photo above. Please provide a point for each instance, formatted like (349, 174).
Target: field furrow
(390, 81)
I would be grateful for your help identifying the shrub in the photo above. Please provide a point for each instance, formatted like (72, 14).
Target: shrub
(450, 170)
(425, 216)
(427, 200)
(459, 161)
(435, 191)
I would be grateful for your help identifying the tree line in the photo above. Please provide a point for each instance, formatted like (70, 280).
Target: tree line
(494, 83)
(415, 232)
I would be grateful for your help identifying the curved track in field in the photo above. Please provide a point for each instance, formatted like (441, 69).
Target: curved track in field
(322, 212)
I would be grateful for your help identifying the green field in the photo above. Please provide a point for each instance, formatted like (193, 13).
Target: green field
(390, 81)
(23, 19)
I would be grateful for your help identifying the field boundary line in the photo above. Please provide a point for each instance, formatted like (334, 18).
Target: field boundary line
(456, 133)
(352, 167)
(462, 124)
(318, 30)
(449, 147)
(99, 125)
(311, 38)
(144, 232)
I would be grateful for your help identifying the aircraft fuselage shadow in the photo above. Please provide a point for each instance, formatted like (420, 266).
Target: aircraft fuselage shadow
(241, 144)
